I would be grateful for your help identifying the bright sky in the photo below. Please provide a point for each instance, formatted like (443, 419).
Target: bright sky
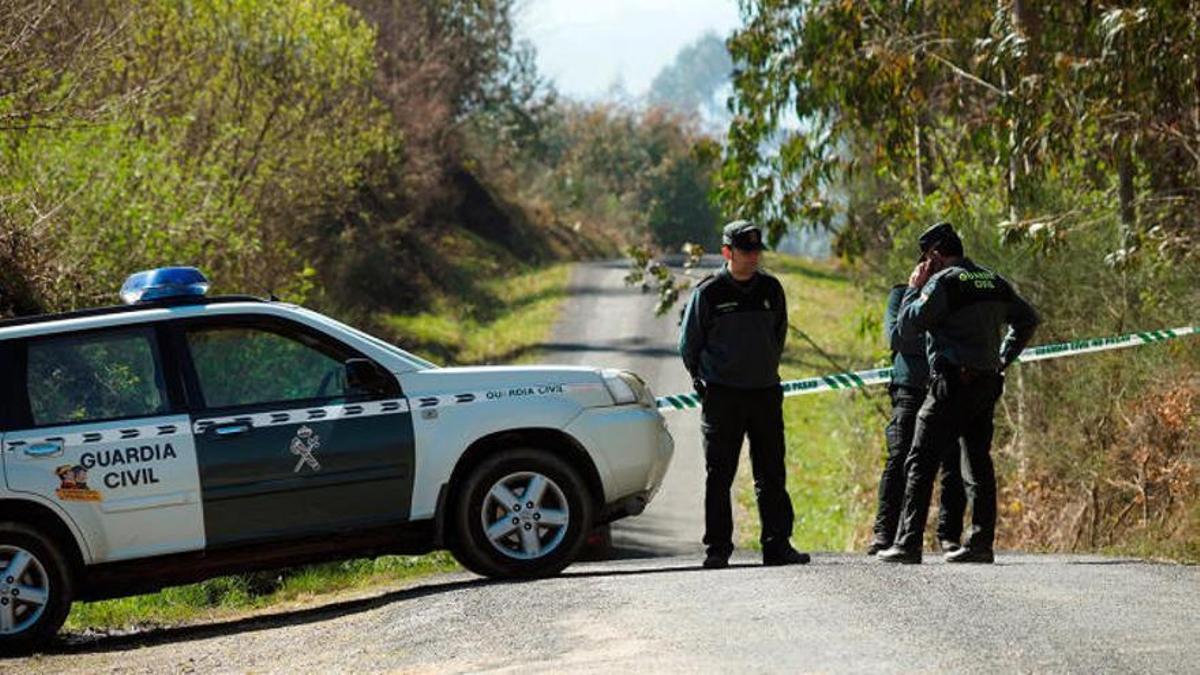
(586, 46)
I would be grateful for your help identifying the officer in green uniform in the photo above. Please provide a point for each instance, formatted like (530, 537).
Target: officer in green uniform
(910, 377)
(734, 329)
(963, 307)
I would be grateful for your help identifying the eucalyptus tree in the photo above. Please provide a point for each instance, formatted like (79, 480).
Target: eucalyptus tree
(918, 93)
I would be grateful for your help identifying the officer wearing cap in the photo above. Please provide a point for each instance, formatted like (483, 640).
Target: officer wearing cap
(910, 377)
(963, 307)
(734, 329)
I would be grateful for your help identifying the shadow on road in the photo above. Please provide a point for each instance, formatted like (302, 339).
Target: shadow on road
(630, 551)
(98, 644)
(623, 347)
(651, 570)
(548, 349)
(76, 644)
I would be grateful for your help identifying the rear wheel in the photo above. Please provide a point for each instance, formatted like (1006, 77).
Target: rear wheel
(523, 513)
(35, 588)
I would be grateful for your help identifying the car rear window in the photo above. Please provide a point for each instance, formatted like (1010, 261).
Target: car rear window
(94, 376)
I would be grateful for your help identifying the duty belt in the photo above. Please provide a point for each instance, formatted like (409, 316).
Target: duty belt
(966, 374)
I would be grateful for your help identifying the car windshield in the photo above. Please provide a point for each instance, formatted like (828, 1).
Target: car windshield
(417, 362)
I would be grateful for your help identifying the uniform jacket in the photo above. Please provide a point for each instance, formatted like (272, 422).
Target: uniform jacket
(910, 365)
(963, 308)
(733, 333)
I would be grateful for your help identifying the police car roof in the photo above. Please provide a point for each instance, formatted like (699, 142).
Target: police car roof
(123, 309)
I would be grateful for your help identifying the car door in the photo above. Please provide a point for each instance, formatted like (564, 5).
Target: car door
(99, 432)
(285, 447)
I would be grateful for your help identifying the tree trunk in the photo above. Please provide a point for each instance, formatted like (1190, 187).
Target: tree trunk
(1027, 20)
(920, 159)
(923, 164)
(1125, 193)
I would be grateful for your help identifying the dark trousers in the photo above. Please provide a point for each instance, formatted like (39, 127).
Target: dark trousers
(728, 415)
(960, 404)
(906, 401)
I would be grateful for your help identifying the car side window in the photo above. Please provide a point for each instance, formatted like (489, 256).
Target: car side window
(94, 376)
(247, 365)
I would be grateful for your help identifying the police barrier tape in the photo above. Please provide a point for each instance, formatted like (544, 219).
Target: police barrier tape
(866, 378)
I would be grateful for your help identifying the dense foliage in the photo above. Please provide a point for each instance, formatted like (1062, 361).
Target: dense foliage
(1038, 93)
(1063, 139)
(365, 155)
(195, 132)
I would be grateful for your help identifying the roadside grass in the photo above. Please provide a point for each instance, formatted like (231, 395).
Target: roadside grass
(234, 595)
(834, 440)
(502, 320)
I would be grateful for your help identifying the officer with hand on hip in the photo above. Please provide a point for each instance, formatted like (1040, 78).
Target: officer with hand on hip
(963, 307)
(910, 377)
(733, 334)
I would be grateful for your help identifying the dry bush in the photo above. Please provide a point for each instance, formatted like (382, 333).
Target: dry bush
(1138, 495)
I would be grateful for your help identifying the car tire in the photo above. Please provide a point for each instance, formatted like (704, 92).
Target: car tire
(506, 538)
(27, 624)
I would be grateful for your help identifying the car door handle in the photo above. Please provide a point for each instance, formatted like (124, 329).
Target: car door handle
(230, 430)
(50, 449)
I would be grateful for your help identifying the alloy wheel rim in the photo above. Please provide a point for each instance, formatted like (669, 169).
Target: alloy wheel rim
(525, 515)
(24, 589)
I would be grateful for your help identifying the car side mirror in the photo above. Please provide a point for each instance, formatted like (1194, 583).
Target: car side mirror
(365, 375)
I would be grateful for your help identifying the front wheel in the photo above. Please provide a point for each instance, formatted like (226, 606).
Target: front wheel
(524, 513)
(35, 588)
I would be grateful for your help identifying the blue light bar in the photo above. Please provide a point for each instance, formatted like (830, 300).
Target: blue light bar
(164, 283)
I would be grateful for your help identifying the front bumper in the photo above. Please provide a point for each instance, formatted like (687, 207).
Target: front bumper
(631, 448)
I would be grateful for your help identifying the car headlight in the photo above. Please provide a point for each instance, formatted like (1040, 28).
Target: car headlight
(627, 387)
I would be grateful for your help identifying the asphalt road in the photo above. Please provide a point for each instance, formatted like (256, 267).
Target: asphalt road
(656, 610)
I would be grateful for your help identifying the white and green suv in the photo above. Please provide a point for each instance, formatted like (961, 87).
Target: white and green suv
(180, 437)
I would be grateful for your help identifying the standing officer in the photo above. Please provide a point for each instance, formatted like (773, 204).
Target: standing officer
(963, 307)
(910, 377)
(733, 333)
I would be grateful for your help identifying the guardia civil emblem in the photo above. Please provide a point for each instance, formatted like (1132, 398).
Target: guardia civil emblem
(303, 446)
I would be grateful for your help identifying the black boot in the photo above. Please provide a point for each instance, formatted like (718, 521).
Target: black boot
(716, 561)
(897, 554)
(967, 554)
(785, 556)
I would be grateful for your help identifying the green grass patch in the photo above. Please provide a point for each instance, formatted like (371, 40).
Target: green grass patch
(834, 440)
(503, 321)
(233, 595)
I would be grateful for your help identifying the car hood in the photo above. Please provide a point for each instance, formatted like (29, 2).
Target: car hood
(583, 384)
